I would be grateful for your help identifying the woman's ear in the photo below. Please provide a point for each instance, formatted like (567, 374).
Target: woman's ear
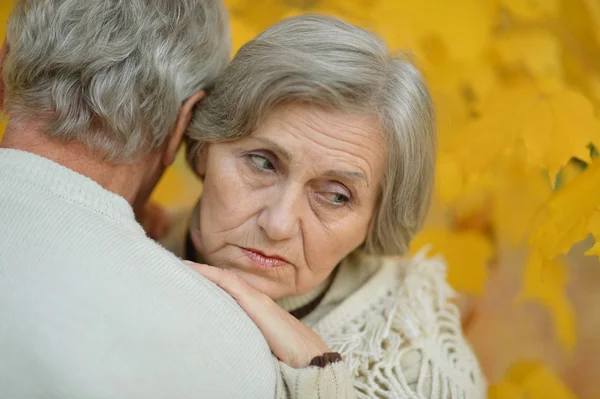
(183, 120)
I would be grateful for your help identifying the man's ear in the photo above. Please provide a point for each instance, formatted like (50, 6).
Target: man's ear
(3, 54)
(183, 120)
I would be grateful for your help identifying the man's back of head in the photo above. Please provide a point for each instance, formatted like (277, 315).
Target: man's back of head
(99, 92)
(112, 75)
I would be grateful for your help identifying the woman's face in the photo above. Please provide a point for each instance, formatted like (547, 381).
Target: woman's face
(282, 207)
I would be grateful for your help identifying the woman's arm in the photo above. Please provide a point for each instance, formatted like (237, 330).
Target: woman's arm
(308, 368)
(332, 381)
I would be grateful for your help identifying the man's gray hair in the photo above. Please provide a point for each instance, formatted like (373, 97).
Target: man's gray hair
(326, 62)
(111, 74)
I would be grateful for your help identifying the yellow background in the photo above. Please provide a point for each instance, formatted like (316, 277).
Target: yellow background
(517, 88)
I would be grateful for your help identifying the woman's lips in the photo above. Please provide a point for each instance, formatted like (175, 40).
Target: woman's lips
(262, 260)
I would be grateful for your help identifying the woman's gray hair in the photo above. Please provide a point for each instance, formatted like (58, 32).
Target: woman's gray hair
(111, 74)
(326, 62)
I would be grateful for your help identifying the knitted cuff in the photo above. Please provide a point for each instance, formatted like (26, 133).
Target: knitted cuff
(326, 359)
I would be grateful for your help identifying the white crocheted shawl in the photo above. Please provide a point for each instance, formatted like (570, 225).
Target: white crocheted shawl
(395, 323)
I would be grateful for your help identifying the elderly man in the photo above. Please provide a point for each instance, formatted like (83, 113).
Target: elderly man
(100, 93)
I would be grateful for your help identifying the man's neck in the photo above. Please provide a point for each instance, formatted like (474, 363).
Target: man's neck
(122, 179)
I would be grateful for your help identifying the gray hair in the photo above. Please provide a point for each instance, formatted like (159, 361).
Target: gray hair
(324, 61)
(111, 74)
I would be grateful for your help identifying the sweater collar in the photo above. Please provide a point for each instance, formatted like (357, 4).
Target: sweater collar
(65, 183)
(302, 305)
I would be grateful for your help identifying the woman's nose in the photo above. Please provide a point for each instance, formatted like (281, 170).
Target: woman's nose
(280, 218)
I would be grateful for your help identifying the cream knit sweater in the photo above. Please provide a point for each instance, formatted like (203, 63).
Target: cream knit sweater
(91, 308)
(394, 322)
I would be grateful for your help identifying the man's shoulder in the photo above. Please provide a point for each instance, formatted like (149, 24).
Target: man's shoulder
(137, 262)
(101, 296)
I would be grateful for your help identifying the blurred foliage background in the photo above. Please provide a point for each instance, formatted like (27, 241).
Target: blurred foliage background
(516, 85)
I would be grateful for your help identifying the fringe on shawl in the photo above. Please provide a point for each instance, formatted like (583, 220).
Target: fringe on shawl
(416, 314)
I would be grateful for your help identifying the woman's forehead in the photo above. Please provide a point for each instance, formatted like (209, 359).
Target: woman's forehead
(298, 132)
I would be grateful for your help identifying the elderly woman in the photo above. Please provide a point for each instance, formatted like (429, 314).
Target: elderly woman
(316, 149)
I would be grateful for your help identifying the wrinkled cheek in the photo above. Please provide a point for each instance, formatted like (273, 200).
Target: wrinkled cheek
(231, 196)
(219, 205)
(327, 253)
(224, 222)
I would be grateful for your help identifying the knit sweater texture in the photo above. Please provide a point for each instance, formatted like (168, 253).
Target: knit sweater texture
(92, 308)
(395, 323)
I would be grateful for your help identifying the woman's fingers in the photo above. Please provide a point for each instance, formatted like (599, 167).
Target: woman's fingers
(230, 282)
(291, 341)
(265, 313)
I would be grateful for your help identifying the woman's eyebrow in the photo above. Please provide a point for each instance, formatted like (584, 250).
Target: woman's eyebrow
(356, 177)
(275, 147)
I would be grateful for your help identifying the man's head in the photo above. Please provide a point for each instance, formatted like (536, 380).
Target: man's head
(120, 77)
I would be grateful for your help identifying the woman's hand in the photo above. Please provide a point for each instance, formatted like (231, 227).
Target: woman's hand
(291, 341)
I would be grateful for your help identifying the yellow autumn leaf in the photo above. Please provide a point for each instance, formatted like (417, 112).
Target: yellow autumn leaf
(450, 179)
(241, 32)
(506, 390)
(578, 27)
(467, 255)
(534, 52)
(593, 8)
(479, 81)
(179, 187)
(544, 282)
(5, 9)
(519, 193)
(464, 194)
(569, 173)
(565, 219)
(594, 227)
(530, 380)
(532, 9)
(352, 11)
(593, 82)
(259, 15)
(486, 142)
(560, 126)
(553, 128)
(401, 24)
(458, 89)
(2, 128)
(464, 27)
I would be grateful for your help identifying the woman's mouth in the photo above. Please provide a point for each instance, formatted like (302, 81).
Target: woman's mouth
(263, 260)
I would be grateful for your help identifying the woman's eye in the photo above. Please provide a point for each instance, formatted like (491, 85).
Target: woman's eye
(336, 198)
(261, 162)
